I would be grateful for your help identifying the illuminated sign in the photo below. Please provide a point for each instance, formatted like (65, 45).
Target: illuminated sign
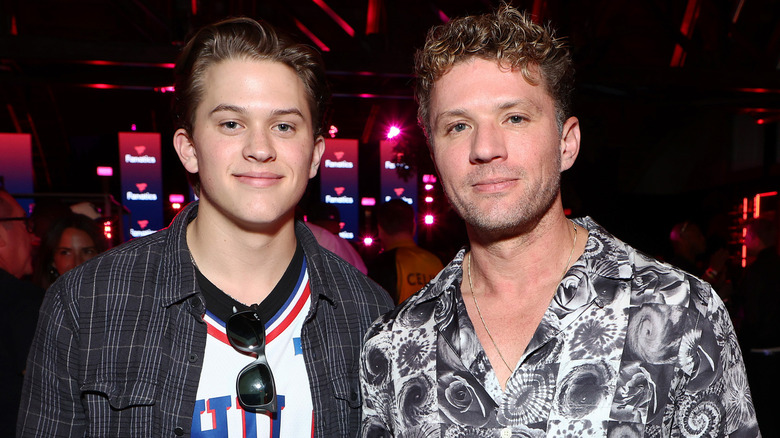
(339, 182)
(16, 165)
(141, 182)
(397, 178)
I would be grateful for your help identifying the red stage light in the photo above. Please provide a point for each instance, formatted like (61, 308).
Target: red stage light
(175, 198)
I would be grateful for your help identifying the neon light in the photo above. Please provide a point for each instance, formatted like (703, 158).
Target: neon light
(176, 198)
(428, 219)
(428, 178)
(372, 17)
(333, 130)
(429, 199)
(757, 206)
(176, 206)
(393, 132)
(105, 171)
(744, 208)
(133, 127)
(368, 202)
(335, 17)
(194, 7)
(311, 36)
(368, 241)
(443, 17)
(428, 187)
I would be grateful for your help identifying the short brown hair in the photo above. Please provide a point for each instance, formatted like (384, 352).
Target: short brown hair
(245, 39)
(507, 36)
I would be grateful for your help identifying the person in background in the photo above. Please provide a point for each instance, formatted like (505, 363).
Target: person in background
(19, 312)
(543, 325)
(69, 242)
(402, 268)
(758, 295)
(232, 321)
(324, 221)
(689, 253)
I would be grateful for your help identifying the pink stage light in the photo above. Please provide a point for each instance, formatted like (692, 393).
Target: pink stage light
(428, 219)
(428, 178)
(105, 171)
(335, 17)
(393, 132)
(176, 198)
(368, 202)
(133, 127)
(368, 241)
(333, 130)
(429, 199)
(311, 36)
(428, 187)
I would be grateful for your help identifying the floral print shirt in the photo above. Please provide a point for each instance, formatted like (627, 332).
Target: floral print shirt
(629, 347)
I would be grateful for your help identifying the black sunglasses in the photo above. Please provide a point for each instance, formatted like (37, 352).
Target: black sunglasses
(28, 222)
(255, 383)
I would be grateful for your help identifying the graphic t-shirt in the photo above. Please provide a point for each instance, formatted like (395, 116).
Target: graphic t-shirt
(217, 411)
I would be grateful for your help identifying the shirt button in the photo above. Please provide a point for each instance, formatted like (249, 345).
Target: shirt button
(506, 432)
(179, 431)
(192, 357)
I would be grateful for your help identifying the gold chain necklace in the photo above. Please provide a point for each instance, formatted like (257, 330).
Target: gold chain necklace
(479, 312)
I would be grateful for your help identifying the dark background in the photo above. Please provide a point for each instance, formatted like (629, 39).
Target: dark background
(665, 137)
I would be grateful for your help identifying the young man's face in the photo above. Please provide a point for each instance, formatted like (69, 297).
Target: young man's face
(496, 145)
(252, 142)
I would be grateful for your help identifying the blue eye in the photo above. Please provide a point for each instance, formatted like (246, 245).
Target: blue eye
(458, 127)
(284, 127)
(516, 119)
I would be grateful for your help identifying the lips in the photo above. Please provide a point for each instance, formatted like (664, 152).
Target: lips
(258, 179)
(494, 184)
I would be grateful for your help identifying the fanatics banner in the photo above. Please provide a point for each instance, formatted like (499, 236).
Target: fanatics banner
(141, 181)
(339, 182)
(398, 179)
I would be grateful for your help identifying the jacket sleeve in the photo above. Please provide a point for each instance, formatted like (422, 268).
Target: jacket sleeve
(50, 404)
(713, 397)
(376, 383)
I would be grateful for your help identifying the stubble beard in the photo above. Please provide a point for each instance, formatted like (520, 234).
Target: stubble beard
(505, 221)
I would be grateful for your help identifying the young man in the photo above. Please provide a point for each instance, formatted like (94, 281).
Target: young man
(140, 341)
(543, 326)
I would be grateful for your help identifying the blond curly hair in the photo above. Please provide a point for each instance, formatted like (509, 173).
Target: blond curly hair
(507, 36)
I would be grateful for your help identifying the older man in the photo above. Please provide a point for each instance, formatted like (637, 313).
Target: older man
(19, 312)
(543, 326)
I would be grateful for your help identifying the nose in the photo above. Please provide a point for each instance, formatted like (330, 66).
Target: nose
(259, 147)
(487, 145)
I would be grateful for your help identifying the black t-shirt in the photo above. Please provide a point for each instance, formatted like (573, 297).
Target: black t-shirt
(223, 305)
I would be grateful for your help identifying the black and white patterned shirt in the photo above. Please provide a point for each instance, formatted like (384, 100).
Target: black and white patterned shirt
(120, 342)
(628, 347)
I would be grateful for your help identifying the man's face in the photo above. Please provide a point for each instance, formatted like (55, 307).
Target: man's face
(252, 143)
(16, 243)
(496, 145)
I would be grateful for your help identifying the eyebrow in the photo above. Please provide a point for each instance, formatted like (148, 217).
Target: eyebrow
(243, 110)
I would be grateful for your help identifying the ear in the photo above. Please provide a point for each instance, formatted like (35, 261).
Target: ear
(185, 149)
(570, 143)
(316, 156)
